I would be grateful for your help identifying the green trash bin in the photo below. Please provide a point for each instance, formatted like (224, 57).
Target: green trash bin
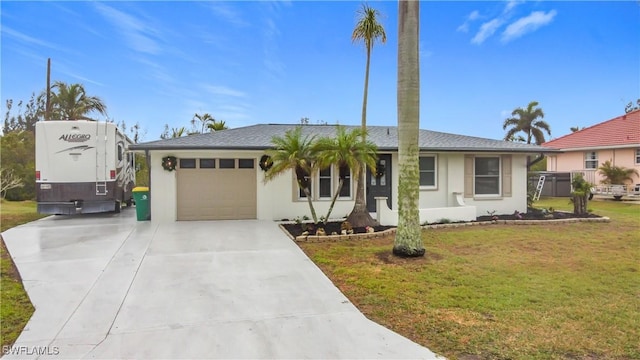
(141, 197)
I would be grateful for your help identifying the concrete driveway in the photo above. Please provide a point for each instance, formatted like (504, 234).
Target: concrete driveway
(106, 286)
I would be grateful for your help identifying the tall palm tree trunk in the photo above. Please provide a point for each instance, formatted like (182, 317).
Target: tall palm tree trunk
(408, 241)
(359, 216)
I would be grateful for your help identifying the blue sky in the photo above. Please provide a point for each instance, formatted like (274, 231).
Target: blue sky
(247, 62)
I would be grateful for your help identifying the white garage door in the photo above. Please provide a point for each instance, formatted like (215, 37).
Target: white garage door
(216, 189)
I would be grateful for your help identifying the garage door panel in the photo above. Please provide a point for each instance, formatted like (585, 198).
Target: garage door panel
(216, 194)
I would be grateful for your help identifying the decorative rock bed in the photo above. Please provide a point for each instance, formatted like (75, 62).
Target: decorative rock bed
(392, 231)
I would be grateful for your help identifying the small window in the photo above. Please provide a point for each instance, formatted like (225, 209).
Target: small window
(487, 176)
(637, 156)
(120, 152)
(428, 171)
(346, 185)
(301, 193)
(207, 163)
(246, 163)
(227, 163)
(187, 163)
(591, 160)
(324, 181)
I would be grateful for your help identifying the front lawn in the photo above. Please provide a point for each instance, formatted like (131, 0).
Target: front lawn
(15, 306)
(561, 291)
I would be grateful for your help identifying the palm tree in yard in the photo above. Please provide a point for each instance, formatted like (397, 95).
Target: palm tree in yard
(408, 241)
(616, 175)
(294, 152)
(368, 30)
(529, 121)
(347, 151)
(70, 102)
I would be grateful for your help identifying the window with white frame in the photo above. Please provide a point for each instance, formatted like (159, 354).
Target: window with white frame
(345, 191)
(428, 166)
(487, 175)
(301, 193)
(325, 181)
(591, 160)
(637, 156)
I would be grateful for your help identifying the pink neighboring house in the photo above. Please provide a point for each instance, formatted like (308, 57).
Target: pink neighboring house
(617, 140)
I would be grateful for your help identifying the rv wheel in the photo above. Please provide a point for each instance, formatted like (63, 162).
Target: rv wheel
(129, 202)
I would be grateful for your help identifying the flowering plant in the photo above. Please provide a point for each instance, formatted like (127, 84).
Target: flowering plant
(169, 163)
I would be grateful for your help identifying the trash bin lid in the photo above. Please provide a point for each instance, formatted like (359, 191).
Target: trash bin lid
(140, 188)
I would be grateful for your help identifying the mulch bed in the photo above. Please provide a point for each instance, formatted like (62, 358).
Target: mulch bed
(333, 226)
(533, 214)
(536, 214)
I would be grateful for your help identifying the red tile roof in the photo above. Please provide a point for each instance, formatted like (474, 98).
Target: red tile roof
(621, 131)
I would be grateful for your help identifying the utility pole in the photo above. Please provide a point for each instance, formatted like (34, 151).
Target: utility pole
(47, 110)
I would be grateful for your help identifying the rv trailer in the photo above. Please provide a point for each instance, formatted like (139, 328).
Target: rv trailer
(82, 167)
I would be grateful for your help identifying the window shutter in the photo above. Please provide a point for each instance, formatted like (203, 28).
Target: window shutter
(468, 176)
(506, 175)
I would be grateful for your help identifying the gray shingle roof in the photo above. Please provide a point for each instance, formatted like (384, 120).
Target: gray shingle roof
(258, 137)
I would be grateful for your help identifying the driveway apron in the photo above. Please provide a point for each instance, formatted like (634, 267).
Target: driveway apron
(106, 286)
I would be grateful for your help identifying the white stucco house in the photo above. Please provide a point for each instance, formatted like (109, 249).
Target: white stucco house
(218, 177)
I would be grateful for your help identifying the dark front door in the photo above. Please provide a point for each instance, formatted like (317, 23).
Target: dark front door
(379, 184)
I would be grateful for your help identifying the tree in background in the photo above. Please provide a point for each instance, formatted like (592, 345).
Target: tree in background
(368, 30)
(18, 157)
(616, 175)
(8, 181)
(25, 119)
(173, 132)
(575, 128)
(408, 240)
(216, 125)
(70, 102)
(346, 151)
(294, 152)
(529, 122)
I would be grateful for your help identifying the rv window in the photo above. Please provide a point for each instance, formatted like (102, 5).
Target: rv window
(119, 152)
(187, 163)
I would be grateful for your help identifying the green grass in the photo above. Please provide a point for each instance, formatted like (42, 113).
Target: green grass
(15, 306)
(563, 291)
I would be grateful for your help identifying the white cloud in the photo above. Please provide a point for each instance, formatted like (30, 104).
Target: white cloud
(511, 4)
(26, 38)
(465, 26)
(223, 91)
(486, 30)
(226, 12)
(137, 34)
(527, 24)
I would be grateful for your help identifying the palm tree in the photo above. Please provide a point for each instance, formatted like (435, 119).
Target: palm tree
(204, 120)
(294, 152)
(408, 241)
(527, 121)
(347, 151)
(216, 125)
(70, 102)
(616, 175)
(367, 30)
